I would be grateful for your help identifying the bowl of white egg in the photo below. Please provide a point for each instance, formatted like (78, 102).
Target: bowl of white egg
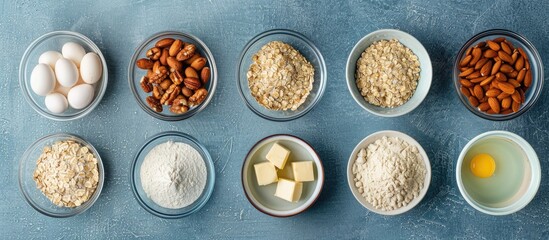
(63, 75)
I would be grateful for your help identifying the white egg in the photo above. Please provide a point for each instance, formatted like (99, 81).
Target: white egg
(50, 58)
(74, 52)
(80, 96)
(42, 79)
(91, 68)
(66, 72)
(56, 102)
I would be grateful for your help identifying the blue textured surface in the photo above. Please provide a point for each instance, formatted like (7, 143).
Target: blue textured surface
(228, 129)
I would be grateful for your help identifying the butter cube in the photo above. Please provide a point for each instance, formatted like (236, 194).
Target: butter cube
(303, 171)
(278, 155)
(265, 173)
(289, 190)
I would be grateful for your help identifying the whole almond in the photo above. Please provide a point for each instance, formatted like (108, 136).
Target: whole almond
(528, 79)
(465, 60)
(187, 92)
(512, 74)
(504, 56)
(487, 81)
(466, 83)
(479, 79)
(506, 87)
(496, 67)
(493, 93)
(165, 42)
(505, 48)
(175, 47)
(506, 103)
(466, 72)
(164, 57)
(486, 69)
(514, 56)
(474, 101)
(484, 106)
(194, 57)
(144, 63)
(503, 95)
(190, 72)
(165, 84)
(490, 53)
(506, 68)
(479, 92)
(476, 53)
(514, 82)
(473, 75)
(493, 45)
(465, 91)
(481, 63)
(521, 74)
(192, 83)
(494, 104)
(519, 64)
(199, 63)
(174, 64)
(501, 77)
(499, 39)
(515, 106)
(205, 75)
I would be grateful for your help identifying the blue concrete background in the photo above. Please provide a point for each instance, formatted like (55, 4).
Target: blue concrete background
(117, 127)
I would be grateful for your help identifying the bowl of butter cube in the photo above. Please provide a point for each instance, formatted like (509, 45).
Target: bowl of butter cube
(282, 175)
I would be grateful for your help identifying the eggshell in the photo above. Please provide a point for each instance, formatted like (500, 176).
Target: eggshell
(91, 68)
(42, 79)
(80, 96)
(56, 102)
(74, 52)
(66, 72)
(50, 58)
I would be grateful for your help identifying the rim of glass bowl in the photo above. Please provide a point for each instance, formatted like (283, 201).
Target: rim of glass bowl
(535, 62)
(64, 136)
(141, 102)
(322, 72)
(25, 87)
(208, 189)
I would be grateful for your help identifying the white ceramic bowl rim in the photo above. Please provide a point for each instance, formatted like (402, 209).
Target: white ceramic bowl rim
(409, 140)
(535, 180)
(424, 81)
(304, 206)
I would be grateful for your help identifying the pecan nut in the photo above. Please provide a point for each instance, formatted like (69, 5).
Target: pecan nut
(199, 63)
(159, 73)
(165, 84)
(198, 97)
(157, 92)
(146, 85)
(180, 105)
(174, 64)
(205, 75)
(186, 53)
(154, 104)
(144, 63)
(175, 48)
(176, 77)
(170, 94)
(192, 83)
(154, 53)
(164, 42)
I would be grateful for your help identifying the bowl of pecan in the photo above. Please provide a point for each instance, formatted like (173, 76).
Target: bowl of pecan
(172, 75)
(498, 74)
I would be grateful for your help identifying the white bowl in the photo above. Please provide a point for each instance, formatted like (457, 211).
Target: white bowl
(425, 75)
(262, 197)
(531, 180)
(363, 144)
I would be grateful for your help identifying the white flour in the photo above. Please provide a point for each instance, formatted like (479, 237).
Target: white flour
(173, 175)
(389, 173)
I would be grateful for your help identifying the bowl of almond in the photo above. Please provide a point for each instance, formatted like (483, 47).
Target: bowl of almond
(498, 74)
(172, 75)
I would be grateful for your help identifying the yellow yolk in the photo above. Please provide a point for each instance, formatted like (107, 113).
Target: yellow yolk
(483, 165)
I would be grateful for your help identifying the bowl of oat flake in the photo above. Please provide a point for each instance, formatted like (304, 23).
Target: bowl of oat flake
(389, 73)
(281, 75)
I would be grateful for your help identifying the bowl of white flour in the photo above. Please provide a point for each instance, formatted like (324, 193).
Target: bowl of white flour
(389, 172)
(172, 175)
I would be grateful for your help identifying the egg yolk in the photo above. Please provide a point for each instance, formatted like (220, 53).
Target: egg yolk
(483, 165)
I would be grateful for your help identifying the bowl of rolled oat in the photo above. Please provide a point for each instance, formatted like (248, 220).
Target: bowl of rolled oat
(281, 75)
(61, 175)
(389, 73)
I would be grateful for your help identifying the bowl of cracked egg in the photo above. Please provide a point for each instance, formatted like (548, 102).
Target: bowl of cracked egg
(281, 75)
(389, 73)
(61, 175)
(389, 172)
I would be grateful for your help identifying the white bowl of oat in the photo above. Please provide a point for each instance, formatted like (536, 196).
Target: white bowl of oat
(389, 73)
(389, 172)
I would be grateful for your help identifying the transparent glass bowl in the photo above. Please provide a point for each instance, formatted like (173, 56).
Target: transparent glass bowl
(54, 41)
(135, 74)
(306, 48)
(135, 176)
(34, 197)
(536, 67)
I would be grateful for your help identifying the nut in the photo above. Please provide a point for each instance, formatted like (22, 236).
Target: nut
(186, 92)
(194, 57)
(186, 53)
(198, 97)
(165, 84)
(190, 72)
(154, 53)
(170, 94)
(144, 63)
(177, 77)
(205, 75)
(157, 92)
(164, 56)
(174, 64)
(192, 83)
(146, 85)
(165, 42)
(175, 47)
(154, 104)
(180, 105)
(494, 104)
(199, 63)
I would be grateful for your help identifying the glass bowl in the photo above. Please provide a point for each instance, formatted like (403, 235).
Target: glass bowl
(34, 196)
(536, 67)
(423, 84)
(54, 41)
(306, 48)
(135, 179)
(135, 74)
